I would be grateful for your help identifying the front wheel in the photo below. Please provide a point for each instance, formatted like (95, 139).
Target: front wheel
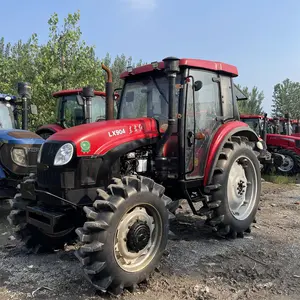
(125, 235)
(291, 163)
(235, 193)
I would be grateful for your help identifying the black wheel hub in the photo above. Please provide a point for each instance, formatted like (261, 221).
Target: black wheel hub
(241, 187)
(138, 236)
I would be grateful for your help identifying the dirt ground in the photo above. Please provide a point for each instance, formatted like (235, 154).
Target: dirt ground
(196, 264)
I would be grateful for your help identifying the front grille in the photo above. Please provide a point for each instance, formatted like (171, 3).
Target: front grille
(32, 157)
(49, 151)
(297, 142)
(50, 177)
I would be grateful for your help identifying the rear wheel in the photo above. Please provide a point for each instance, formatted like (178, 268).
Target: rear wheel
(125, 235)
(291, 163)
(235, 192)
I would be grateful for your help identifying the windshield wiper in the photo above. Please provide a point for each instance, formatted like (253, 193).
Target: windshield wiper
(159, 90)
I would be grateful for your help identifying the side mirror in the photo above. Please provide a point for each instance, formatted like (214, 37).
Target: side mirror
(33, 109)
(79, 100)
(129, 96)
(198, 85)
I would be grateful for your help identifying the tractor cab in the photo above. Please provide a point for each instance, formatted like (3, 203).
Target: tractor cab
(18, 148)
(14, 110)
(255, 122)
(7, 112)
(72, 110)
(82, 106)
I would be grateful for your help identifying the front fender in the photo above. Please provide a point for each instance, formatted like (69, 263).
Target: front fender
(227, 130)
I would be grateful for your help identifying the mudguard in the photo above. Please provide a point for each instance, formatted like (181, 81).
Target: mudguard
(235, 128)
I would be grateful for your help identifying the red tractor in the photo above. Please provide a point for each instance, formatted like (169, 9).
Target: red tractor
(177, 136)
(74, 108)
(286, 146)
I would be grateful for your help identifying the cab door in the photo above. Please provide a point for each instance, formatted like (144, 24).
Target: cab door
(203, 116)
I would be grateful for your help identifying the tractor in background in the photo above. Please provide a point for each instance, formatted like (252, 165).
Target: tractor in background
(285, 149)
(18, 147)
(76, 107)
(115, 180)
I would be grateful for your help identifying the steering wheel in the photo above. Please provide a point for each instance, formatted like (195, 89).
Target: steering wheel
(159, 116)
(100, 118)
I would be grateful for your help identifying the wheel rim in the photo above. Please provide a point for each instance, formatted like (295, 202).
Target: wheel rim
(138, 238)
(287, 165)
(242, 188)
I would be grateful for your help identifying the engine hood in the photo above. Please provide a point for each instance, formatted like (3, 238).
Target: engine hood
(17, 136)
(283, 140)
(100, 137)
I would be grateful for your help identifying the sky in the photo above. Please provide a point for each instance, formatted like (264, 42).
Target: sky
(260, 37)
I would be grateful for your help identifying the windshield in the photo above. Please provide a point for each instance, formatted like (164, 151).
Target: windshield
(73, 113)
(146, 96)
(7, 120)
(255, 124)
(239, 95)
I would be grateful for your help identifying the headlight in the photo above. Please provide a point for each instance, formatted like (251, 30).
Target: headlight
(260, 145)
(40, 154)
(64, 155)
(19, 157)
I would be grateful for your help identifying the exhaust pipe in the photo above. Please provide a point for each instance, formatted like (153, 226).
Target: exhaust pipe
(88, 93)
(109, 105)
(264, 133)
(297, 129)
(24, 91)
(288, 122)
(171, 65)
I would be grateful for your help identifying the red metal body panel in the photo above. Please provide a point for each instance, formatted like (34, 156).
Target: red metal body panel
(75, 91)
(188, 62)
(215, 145)
(251, 117)
(283, 141)
(52, 127)
(107, 135)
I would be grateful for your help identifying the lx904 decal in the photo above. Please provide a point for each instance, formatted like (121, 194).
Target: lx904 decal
(116, 132)
(131, 129)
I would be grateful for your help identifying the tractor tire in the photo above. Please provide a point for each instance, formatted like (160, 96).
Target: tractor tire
(34, 239)
(291, 164)
(125, 235)
(234, 195)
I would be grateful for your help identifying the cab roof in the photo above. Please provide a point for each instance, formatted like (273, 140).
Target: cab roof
(242, 116)
(75, 92)
(188, 62)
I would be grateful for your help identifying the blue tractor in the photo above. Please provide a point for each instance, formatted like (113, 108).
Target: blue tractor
(18, 146)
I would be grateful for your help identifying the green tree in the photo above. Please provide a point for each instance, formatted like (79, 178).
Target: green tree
(286, 99)
(119, 65)
(253, 105)
(64, 62)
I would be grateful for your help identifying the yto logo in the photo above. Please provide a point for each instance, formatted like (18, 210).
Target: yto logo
(116, 132)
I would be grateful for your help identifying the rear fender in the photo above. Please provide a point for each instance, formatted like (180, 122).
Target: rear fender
(221, 137)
